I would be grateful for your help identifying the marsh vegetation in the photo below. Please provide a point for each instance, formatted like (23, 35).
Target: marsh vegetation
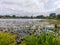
(29, 32)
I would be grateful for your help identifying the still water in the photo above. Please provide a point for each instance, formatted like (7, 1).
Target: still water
(24, 26)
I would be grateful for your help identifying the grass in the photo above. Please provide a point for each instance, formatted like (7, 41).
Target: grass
(53, 21)
(7, 39)
(43, 39)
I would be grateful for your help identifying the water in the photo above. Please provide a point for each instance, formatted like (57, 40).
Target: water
(16, 22)
(24, 26)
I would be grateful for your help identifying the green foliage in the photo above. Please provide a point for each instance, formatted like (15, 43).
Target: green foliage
(46, 39)
(43, 39)
(7, 39)
(58, 16)
(30, 40)
(57, 40)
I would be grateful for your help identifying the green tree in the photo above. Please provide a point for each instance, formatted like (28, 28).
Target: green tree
(52, 15)
(58, 16)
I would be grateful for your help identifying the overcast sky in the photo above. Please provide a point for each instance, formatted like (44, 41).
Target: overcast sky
(28, 7)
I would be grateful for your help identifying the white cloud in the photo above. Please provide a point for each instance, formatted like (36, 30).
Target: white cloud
(31, 6)
(57, 3)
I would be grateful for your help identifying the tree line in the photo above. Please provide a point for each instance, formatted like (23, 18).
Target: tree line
(51, 16)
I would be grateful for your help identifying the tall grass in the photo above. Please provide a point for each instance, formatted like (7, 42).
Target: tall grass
(7, 39)
(43, 39)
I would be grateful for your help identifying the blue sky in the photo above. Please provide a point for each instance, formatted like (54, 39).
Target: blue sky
(28, 7)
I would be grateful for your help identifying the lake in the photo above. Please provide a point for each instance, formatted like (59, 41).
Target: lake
(23, 27)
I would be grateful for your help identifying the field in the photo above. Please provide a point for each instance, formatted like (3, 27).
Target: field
(29, 32)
